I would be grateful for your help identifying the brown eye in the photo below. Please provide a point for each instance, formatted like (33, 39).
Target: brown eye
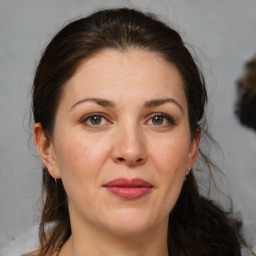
(94, 120)
(161, 119)
(157, 120)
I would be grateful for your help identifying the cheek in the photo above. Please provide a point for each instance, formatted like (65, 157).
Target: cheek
(170, 157)
(170, 162)
(171, 165)
(80, 158)
(80, 161)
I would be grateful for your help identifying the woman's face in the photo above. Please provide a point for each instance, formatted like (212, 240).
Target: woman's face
(121, 142)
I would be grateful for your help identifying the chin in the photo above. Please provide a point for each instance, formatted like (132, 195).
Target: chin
(130, 222)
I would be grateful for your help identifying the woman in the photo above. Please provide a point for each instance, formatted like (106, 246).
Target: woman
(118, 105)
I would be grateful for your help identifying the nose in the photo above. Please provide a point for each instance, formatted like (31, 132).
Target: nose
(129, 147)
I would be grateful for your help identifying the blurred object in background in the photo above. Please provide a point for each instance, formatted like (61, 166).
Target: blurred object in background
(246, 105)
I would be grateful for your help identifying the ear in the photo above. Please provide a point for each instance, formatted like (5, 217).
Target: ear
(193, 152)
(46, 150)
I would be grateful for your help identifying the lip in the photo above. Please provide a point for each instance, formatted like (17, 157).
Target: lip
(129, 189)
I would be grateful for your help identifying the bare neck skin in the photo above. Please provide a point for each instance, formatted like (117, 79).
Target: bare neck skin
(100, 243)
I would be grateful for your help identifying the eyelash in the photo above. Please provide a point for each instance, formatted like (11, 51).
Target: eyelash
(169, 119)
(87, 118)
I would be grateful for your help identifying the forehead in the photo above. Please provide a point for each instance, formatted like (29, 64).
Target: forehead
(126, 74)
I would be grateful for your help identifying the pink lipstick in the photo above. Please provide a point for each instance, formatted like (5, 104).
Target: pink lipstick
(129, 189)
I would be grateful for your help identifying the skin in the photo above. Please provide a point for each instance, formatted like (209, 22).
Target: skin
(135, 136)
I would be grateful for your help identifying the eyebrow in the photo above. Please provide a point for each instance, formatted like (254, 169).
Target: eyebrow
(101, 102)
(148, 104)
(158, 102)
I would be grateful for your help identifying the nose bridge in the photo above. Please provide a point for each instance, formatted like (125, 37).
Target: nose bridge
(130, 144)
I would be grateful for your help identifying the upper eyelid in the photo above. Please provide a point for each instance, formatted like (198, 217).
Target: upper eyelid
(148, 116)
(169, 118)
(160, 114)
(94, 114)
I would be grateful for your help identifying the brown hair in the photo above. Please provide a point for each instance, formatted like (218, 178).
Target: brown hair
(196, 225)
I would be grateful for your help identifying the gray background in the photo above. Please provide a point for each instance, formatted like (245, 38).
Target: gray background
(222, 32)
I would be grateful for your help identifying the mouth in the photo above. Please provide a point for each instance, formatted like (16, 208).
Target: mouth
(129, 189)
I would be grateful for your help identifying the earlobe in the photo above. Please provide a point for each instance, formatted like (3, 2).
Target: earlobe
(45, 150)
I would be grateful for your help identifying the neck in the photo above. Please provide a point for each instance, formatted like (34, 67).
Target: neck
(98, 243)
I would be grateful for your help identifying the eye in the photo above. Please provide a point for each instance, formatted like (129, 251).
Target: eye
(94, 119)
(161, 119)
(157, 120)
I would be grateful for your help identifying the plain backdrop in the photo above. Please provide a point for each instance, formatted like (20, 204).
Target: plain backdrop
(222, 33)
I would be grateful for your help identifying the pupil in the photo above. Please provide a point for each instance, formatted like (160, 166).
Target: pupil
(157, 120)
(96, 120)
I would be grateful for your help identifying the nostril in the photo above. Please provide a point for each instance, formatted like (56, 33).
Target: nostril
(130, 162)
(120, 159)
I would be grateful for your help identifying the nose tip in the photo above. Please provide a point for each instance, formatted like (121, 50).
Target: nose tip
(129, 149)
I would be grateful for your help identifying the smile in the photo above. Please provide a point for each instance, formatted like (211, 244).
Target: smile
(129, 189)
